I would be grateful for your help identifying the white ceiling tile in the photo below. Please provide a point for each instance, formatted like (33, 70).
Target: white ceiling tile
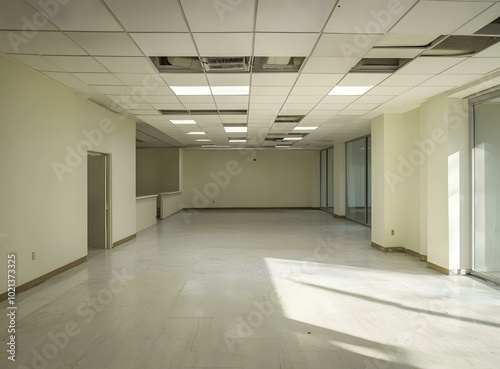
(151, 111)
(408, 80)
(475, 66)
(153, 90)
(234, 118)
(491, 52)
(270, 107)
(126, 98)
(126, 64)
(269, 90)
(450, 80)
(106, 43)
(232, 79)
(224, 44)
(219, 16)
(88, 15)
(367, 16)
(232, 106)
(72, 82)
(231, 99)
(149, 15)
(11, 43)
(52, 43)
(259, 99)
(404, 53)
(161, 99)
(480, 21)
(310, 91)
(329, 64)
(195, 106)
(429, 65)
(140, 79)
(291, 110)
(368, 99)
(284, 44)
(194, 79)
(319, 79)
(38, 62)
(292, 16)
(77, 63)
(273, 79)
(114, 90)
(363, 79)
(15, 14)
(196, 99)
(297, 99)
(408, 40)
(432, 13)
(105, 79)
(168, 106)
(165, 44)
(332, 105)
(338, 99)
(344, 45)
(358, 106)
(387, 91)
(353, 112)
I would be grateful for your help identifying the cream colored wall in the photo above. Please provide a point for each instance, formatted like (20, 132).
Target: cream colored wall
(45, 210)
(233, 179)
(157, 170)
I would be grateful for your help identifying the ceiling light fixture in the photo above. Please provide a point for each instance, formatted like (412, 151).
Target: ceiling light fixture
(349, 90)
(281, 146)
(305, 128)
(230, 90)
(191, 90)
(235, 129)
(183, 121)
(292, 138)
(203, 140)
(237, 140)
(196, 133)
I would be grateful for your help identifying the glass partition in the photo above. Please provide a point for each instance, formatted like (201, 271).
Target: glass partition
(358, 172)
(326, 180)
(486, 188)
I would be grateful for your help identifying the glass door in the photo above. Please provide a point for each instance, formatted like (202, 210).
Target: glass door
(358, 177)
(486, 188)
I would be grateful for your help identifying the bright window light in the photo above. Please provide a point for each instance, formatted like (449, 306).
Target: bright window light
(292, 138)
(350, 90)
(203, 140)
(235, 129)
(183, 121)
(196, 133)
(230, 90)
(304, 128)
(191, 90)
(235, 141)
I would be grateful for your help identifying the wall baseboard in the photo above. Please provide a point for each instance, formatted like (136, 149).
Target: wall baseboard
(123, 240)
(338, 216)
(445, 271)
(399, 249)
(253, 208)
(26, 286)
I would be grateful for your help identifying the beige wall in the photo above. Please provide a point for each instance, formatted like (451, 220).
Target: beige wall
(157, 170)
(43, 197)
(233, 179)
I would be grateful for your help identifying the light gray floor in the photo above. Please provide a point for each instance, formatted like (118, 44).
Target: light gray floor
(255, 289)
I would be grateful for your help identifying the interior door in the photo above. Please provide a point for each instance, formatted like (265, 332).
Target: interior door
(96, 201)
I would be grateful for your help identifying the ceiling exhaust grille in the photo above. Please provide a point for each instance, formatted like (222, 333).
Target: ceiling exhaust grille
(288, 118)
(204, 112)
(379, 65)
(461, 45)
(226, 64)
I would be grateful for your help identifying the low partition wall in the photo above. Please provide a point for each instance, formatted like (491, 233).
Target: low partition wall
(169, 203)
(145, 211)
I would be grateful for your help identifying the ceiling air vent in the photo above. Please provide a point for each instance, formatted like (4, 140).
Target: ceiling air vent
(490, 29)
(177, 64)
(460, 45)
(379, 65)
(288, 118)
(204, 112)
(226, 64)
(277, 64)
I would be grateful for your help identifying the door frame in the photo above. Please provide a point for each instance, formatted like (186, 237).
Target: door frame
(108, 195)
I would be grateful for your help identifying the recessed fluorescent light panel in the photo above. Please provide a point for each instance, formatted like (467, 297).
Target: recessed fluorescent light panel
(230, 90)
(183, 121)
(292, 138)
(203, 140)
(349, 90)
(238, 140)
(196, 133)
(191, 90)
(235, 129)
(305, 128)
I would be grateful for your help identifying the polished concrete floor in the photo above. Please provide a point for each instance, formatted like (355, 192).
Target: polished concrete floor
(255, 289)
